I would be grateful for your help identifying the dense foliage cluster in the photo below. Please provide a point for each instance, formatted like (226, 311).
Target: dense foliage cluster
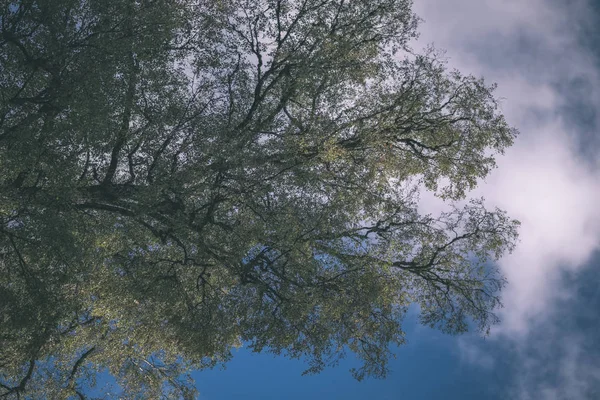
(180, 177)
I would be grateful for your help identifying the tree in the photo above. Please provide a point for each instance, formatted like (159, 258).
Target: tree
(182, 177)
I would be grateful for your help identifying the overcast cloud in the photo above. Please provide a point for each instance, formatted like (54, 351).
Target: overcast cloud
(549, 180)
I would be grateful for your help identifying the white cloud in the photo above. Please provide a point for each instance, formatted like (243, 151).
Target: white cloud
(543, 183)
(531, 49)
(527, 47)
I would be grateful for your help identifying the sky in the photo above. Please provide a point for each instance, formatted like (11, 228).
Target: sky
(545, 58)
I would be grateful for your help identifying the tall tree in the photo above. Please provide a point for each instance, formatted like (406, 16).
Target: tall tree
(179, 177)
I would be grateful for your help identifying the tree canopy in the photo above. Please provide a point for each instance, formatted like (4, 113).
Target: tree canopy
(181, 177)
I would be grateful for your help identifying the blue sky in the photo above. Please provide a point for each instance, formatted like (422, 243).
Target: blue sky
(429, 367)
(434, 366)
(544, 56)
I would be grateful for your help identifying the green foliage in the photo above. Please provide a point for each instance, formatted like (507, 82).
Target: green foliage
(180, 177)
